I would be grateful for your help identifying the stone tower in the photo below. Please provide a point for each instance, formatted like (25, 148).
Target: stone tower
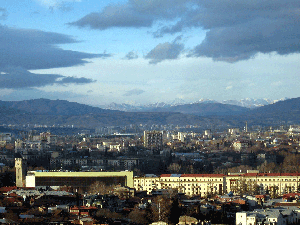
(20, 172)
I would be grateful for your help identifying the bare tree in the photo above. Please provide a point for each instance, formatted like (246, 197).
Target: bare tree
(174, 168)
(101, 188)
(161, 208)
(138, 216)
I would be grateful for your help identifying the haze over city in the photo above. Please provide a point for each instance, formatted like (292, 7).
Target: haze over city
(129, 51)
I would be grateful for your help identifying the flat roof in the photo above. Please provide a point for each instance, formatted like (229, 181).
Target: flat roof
(80, 174)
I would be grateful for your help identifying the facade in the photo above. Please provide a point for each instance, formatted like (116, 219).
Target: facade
(153, 139)
(190, 184)
(268, 216)
(272, 183)
(275, 184)
(78, 179)
(19, 172)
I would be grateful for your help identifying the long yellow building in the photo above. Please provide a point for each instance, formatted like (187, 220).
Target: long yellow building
(205, 184)
(77, 179)
(190, 184)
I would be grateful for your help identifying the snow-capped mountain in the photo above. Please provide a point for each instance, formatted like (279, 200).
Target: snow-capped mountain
(247, 102)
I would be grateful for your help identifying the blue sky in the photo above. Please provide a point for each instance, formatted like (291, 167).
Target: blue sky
(136, 51)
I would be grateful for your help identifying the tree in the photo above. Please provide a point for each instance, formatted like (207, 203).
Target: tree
(138, 216)
(252, 187)
(291, 163)
(175, 211)
(240, 186)
(100, 188)
(174, 168)
(161, 208)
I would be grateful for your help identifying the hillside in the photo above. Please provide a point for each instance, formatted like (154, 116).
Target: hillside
(280, 113)
(54, 112)
(52, 107)
(204, 115)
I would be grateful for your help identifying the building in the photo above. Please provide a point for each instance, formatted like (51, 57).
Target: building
(6, 137)
(275, 184)
(153, 140)
(190, 184)
(268, 216)
(272, 183)
(20, 171)
(81, 180)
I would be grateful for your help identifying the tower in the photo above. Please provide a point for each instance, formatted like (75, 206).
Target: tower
(20, 172)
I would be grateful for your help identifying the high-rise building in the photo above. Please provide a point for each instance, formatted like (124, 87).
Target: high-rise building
(153, 139)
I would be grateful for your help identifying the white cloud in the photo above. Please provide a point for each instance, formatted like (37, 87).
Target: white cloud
(276, 83)
(56, 3)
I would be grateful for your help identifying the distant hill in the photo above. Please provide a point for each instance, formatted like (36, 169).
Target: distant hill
(52, 107)
(284, 112)
(204, 115)
(54, 112)
(289, 106)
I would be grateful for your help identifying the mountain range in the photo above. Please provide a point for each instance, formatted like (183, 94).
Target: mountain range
(203, 114)
(247, 103)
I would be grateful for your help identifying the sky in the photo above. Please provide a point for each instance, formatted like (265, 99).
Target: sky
(97, 52)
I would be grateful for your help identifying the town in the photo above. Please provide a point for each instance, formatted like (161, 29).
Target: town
(162, 175)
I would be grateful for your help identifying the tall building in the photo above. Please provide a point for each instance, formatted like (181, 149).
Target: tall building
(153, 140)
(20, 171)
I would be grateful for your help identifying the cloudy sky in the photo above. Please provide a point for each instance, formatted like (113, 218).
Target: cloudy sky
(145, 51)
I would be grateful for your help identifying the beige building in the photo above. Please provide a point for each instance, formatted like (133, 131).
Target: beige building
(190, 184)
(205, 184)
(272, 183)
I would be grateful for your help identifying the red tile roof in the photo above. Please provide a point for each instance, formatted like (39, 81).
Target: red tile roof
(7, 189)
(202, 175)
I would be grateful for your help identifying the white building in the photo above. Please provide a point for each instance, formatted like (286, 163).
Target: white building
(268, 216)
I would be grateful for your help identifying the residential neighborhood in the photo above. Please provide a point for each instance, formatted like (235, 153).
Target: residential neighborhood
(238, 176)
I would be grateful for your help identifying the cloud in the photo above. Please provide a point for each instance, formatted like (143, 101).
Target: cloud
(18, 78)
(239, 29)
(3, 14)
(236, 29)
(131, 55)
(165, 51)
(59, 4)
(134, 92)
(133, 13)
(34, 49)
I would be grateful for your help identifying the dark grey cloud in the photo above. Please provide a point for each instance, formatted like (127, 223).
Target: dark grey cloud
(133, 13)
(3, 14)
(134, 92)
(34, 49)
(165, 51)
(236, 29)
(19, 78)
(131, 55)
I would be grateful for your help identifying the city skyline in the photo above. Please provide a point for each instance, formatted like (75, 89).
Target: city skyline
(128, 51)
